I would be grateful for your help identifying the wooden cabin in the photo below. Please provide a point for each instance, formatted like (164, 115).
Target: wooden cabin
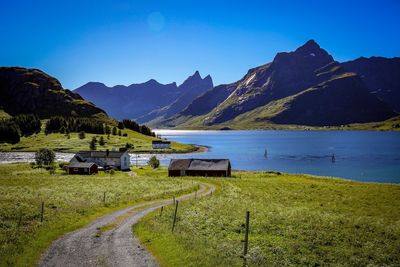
(200, 167)
(82, 168)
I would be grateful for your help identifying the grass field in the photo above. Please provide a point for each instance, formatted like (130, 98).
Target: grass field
(60, 142)
(70, 202)
(295, 220)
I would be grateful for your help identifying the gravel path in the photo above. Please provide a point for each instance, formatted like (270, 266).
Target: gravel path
(115, 247)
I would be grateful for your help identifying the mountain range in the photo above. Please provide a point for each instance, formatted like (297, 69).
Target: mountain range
(146, 101)
(303, 87)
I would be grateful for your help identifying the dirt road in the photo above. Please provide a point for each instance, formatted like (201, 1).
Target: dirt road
(108, 240)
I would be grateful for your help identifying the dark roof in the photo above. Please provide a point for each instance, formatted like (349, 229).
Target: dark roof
(100, 154)
(161, 142)
(199, 164)
(80, 164)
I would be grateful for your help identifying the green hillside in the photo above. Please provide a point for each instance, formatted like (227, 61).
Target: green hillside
(63, 143)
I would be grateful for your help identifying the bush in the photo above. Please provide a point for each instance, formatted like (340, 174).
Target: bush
(62, 165)
(92, 144)
(44, 157)
(114, 131)
(9, 132)
(82, 135)
(102, 142)
(129, 146)
(125, 134)
(154, 162)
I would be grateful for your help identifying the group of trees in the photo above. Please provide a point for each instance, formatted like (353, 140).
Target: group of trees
(12, 129)
(134, 126)
(73, 124)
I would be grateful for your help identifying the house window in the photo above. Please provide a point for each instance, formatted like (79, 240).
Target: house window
(75, 169)
(85, 170)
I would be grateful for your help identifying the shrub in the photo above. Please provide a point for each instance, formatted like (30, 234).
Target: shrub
(82, 135)
(114, 131)
(154, 162)
(44, 157)
(92, 144)
(129, 146)
(102, 142)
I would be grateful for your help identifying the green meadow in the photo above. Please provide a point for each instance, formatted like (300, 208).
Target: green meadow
(63, 143)
(295, 220)
(70, 202)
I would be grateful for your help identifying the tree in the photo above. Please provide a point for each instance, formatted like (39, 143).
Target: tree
(114, 131)
(119, 133)
(9, 132)
(107, 130)
(121, 125)
(154, 162)
(44, 157)
(82, 135)
(92, 144)
(129, 146)
(101, 142)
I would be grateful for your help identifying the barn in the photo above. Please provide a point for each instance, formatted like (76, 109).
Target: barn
(200, 167)
(82, 168)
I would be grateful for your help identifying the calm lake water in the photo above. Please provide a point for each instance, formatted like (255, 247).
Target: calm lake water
(359, 155)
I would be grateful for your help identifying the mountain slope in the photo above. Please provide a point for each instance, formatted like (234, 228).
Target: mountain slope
(381, 76)
(145, 101)
(25, 90)
(276, 89)
(331, 103)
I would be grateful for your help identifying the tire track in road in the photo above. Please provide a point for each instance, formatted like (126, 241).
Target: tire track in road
(115, 247)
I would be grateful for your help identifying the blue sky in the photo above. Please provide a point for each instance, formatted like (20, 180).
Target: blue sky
(124, 42)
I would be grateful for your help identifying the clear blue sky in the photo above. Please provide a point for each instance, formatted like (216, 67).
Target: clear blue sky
(124, 42)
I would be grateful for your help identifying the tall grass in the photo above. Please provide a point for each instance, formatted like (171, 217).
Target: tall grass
(71, 201)
(294, 220)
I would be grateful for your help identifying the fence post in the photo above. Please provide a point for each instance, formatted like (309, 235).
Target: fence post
(246, 238)
(104, 198)
(176, 210)
(162, 207)
(42, 212)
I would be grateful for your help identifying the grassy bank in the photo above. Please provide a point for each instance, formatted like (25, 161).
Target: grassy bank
(70, 202)
(392, 124)
(63, 143)
(294, 220)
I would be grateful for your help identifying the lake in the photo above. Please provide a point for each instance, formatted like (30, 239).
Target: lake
(359, 155)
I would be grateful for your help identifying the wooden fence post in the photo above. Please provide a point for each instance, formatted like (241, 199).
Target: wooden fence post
(176, 211)
(246, 239)
(162, 207)
(104, 198)
(42, 212)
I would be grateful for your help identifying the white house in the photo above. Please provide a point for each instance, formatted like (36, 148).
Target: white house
(106, 159)
(161, 144)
